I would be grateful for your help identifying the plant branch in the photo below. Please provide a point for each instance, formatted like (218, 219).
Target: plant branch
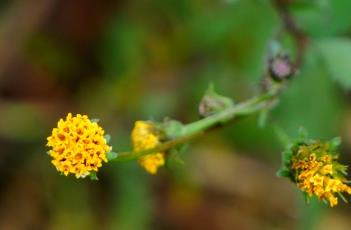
(291, 26)
(197, 128)
(127, 156)
(256, 104)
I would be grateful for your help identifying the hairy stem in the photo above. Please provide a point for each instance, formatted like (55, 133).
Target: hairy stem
(127, 156)
(245, 108)
(197, 128)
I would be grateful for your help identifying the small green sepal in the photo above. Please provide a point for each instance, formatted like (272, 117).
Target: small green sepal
(93, 176)
(283, 172)
(335, 143)
(107, 138)
(172, 128)
(111, 155)
(95, 120)
(212, 102)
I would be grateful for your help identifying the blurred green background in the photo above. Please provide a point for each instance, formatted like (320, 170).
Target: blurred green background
(126, 60)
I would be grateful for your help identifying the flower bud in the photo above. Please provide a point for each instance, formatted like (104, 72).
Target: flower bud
(212, 103)
(280, 68)
(145, 136)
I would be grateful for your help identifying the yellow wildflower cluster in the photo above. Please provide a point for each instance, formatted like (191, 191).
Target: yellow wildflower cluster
(144, 136)
(78, 146)
(316, 173)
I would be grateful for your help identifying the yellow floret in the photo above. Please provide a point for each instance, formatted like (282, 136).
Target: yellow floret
(315, 176)
(78, 146)
(144, 136)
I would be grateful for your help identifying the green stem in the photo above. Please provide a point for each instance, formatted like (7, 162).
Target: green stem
(127, 156)
(194, 129)
(251, 106)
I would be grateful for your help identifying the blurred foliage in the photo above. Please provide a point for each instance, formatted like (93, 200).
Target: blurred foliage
(336, 53)
(322, 17)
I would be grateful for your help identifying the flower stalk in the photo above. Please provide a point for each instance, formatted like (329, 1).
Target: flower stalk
(195, 129)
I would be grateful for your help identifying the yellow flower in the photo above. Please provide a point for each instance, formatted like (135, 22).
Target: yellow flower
(144, 136)
(316, 172)
(78, 146)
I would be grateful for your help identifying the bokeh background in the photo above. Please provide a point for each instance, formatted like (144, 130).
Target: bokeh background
(121, 61)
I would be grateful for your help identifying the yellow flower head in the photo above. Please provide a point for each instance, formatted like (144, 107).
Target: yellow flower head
(145, 136)
(78, 146)
(314, 168)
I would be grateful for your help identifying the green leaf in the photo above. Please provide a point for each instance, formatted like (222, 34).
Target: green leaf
(111, 155)
(336, 53)
(323, 17)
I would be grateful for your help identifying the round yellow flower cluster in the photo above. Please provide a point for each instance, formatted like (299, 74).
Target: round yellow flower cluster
(316, 173)
(144, 136)
(78, 146)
